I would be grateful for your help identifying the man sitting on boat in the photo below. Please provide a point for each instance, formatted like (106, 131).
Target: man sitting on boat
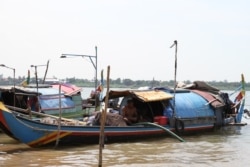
(129, 112)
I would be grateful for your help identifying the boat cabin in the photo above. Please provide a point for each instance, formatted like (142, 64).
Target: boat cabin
(150, 104)
(192, 106)
(44, 98)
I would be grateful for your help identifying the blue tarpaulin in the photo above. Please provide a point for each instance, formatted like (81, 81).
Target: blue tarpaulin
(188, 105)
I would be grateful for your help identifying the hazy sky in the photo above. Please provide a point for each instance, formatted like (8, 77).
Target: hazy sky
(133, 37)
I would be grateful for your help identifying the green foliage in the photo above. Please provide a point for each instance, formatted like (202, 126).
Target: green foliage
(128, 83)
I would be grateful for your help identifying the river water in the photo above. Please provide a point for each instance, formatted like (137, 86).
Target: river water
(229, 146)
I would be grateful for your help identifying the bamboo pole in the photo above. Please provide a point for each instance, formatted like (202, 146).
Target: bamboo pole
(47, 66)
(60, 116)
(103, 120)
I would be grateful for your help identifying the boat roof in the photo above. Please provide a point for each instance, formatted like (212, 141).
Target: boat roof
(31, 90)
(6, 88)
(143, 95)
(44, 89)
(68, 89)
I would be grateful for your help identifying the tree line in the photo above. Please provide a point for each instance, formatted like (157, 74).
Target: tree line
(127, 83)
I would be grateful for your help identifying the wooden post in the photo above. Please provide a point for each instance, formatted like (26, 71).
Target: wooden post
(47, 66)
(60, 116)
(103, 120)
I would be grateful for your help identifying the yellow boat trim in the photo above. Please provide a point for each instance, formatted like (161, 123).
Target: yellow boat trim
(2, 107)
(48, 138)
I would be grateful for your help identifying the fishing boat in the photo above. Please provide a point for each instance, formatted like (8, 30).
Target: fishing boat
(49, 99)
(44, 98)
(163, 112)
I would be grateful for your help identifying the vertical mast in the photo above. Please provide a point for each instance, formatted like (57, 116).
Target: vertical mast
(175, 70)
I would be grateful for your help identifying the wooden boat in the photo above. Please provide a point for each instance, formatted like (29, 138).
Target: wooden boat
(184, 110)
(43, 99)
(43, 96)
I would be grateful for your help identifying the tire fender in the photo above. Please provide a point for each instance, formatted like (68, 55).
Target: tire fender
(179, 126)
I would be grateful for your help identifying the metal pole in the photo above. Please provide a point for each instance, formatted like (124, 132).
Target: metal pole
(175, 44)
(96, 66)
(36, 80)
(93, 63)
(96, 76)
(36, 75)
(14, 71)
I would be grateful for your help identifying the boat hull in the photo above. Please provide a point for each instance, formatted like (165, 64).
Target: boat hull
(37, 134)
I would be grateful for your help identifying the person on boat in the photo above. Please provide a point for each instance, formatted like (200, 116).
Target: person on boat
(230, 106)
(95, 96)
(91, 99)
(129, 112)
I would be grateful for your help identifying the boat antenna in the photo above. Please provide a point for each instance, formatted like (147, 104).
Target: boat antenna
(175, 70)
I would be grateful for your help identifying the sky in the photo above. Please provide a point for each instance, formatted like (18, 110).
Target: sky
(133, 38)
